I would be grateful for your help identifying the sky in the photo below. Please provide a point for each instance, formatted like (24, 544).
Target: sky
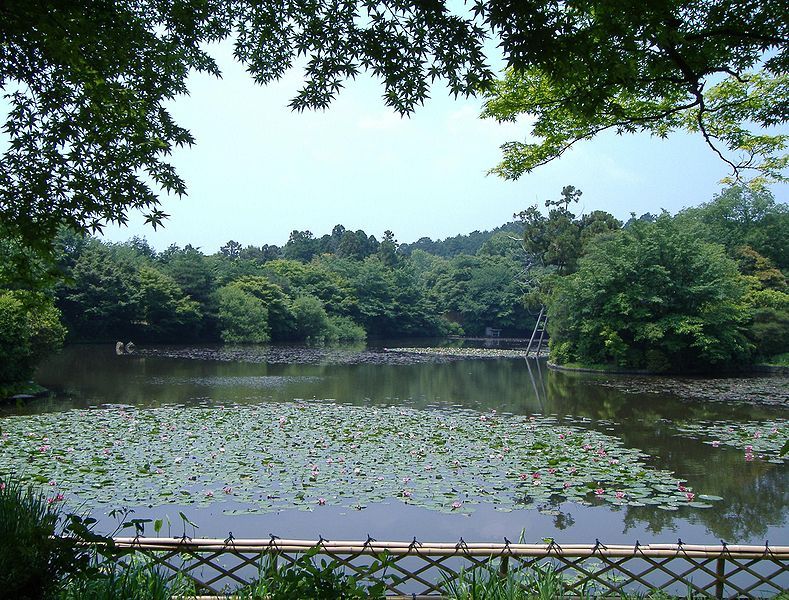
(259, 170)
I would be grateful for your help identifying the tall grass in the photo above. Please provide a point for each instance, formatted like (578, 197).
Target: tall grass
(134, 579)
(540, 582)
(32, 561)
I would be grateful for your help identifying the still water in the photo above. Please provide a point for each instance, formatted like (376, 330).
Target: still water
(644, 413)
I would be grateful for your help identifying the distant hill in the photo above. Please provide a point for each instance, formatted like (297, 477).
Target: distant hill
(459, 244)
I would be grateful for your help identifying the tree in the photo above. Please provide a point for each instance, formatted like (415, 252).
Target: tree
(655, 296)
(242, 317)
(88, 83)
(717, 68)
(30, 329)
(165, 312)
(89, 134)
(740, 216)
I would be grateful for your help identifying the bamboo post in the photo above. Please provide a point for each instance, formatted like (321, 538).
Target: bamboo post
(720, 576)
(504, 566)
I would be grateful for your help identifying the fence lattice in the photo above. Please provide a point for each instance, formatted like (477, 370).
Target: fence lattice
(421, 569)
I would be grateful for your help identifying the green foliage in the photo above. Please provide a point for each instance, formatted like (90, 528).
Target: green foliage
(344, 329)
(655, 68)
(89, 132)
(242, 317)
(305, 578)
(651, 296)
(30, 328)
(480, 291)
(311, 323)
(164, 311)
(98, 299)
(32, 562)
(130, 579)
(742, 216)
(277, 303)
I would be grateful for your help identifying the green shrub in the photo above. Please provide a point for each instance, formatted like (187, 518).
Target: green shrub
(312, 322)
(345, 329)
(243, 319)
(30, 328)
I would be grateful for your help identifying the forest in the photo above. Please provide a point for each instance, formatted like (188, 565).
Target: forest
(705, 287)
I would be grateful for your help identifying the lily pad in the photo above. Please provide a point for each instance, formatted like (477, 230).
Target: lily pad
(275, 456)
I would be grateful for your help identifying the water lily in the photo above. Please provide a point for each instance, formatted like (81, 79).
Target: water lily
(599, 491)
(619, 495)
(321, 501)
(407, 493)
(53, 482)
(456, 504)
(209, 494)
(681, 487)
(690, 496)
(716, 443)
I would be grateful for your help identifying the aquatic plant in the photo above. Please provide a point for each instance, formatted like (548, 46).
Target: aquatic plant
(274, 456)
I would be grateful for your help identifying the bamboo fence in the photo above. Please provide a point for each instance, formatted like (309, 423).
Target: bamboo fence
(420, 569)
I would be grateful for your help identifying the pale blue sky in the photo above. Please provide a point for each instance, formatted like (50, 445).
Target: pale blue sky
(259, 170)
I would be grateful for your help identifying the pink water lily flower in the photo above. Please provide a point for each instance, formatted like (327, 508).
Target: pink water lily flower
(620, 495)
(690, 496)
(321, 501)
(407, 493)
(227, 489)
(456, 504)
(599, 491)
(716, 443)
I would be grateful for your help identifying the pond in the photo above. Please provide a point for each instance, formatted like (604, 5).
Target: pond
(342, 443)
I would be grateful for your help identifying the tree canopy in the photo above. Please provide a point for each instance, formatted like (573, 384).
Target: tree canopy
(717, 68)
(87, 83)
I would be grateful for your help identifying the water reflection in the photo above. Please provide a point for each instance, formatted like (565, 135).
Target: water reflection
(755, 504)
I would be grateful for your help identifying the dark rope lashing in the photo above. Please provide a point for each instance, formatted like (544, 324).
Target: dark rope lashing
(230, 540)
(598, 545)
(554, 546)
(369, 542)
(322, 541)
(414, 545)
(462, 545)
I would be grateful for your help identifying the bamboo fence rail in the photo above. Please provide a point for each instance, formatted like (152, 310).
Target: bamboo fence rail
(419, 569)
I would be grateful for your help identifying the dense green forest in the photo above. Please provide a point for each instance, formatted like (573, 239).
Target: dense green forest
(702, 288)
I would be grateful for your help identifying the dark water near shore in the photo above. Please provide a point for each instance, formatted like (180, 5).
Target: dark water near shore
(640, 411)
